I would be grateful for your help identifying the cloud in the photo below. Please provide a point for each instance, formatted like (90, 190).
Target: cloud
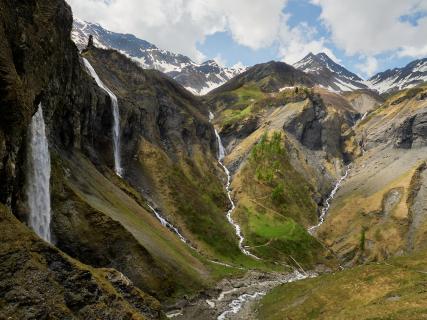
(179, 25)
(297, 42)
(370, 27)
(369, 66)
(219, 59)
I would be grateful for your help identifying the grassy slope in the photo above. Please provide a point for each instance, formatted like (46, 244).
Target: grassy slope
(359, 209)
(275, 205)
(175, 258)
(183, 184)
(39, 281)
(392, 290)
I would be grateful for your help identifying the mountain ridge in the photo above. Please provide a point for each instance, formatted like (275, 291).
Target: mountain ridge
(197, 78)
(411, 75)
(329, 74)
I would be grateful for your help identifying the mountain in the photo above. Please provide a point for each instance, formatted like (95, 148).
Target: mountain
(197, 78)
(396, 79)
(212, 214)
(328, 74)
(268, 77)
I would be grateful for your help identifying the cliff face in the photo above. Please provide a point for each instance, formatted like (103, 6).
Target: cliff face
(97, 217)
(169, 151)
(37, 281)
(40, 64)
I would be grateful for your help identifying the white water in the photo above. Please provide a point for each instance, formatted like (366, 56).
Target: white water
(38, 177)
(116, 118)
(327, 205)
(237, 304)
(169, 225)
(221, 155)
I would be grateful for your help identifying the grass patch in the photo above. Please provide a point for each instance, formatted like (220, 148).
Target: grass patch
(275, 205)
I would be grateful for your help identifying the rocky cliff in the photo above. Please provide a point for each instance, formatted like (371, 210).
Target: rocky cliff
(39, 64)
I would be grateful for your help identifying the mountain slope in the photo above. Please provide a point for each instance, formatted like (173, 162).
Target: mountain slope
(328, 74)
(197, 78)
(411, 75)
(267, 77)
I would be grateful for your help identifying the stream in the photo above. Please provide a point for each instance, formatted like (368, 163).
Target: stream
(238, 230)
(328, 200)
(233, 299)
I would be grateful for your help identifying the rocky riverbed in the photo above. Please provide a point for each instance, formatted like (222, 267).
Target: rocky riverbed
(233, 298)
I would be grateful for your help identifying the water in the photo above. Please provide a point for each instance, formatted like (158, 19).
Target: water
(221, 155)
(38, 177)
(237, 304)
(116, 118)
(169, 225)
(328, 200)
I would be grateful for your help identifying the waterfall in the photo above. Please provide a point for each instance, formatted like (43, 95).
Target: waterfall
(221, 155)
(116, 118)
(328, 200)
(38, 177)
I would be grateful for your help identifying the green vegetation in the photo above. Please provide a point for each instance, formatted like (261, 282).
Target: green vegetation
(249, 101)
(290, 193)
(393, 290)
(275, 205)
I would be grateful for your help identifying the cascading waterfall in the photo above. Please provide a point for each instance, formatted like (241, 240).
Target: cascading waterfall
(116, 118)
(331, 196)
(328, 200)
(38, 177)
(168, 225)
(221, 155)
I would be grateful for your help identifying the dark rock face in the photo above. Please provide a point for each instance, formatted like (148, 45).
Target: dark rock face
(41, 64)
(317, 130)
(154, 108)
(169, 149)
(412, 132)
(37, 281)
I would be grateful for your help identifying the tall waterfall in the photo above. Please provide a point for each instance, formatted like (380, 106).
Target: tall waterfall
(116, 118)
(221, 155)
(38, 177)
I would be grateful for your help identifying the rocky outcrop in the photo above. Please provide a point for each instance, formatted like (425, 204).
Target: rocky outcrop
(412, 132)
(37, 281)
(40, 64)
(318, 128)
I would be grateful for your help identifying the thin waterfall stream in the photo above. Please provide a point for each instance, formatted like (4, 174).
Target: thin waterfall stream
(116, 118)
(238, 231)
(331, 196)
(328, 200)
(38, 177)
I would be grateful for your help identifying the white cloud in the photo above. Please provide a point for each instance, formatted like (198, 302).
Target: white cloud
(369, 66)
(219, 59)
(178, 25)
(372, 27)
(297, 42)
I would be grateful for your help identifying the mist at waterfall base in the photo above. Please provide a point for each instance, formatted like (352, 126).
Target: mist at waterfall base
(38, 177)
(116, 117)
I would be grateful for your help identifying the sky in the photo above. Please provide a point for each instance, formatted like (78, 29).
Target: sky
(365, 36)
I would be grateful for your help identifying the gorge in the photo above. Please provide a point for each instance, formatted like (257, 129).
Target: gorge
(276, 195)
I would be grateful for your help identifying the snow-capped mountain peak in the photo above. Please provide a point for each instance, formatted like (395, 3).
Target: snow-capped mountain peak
(395, 79)
(327, 73)
(197, 78)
